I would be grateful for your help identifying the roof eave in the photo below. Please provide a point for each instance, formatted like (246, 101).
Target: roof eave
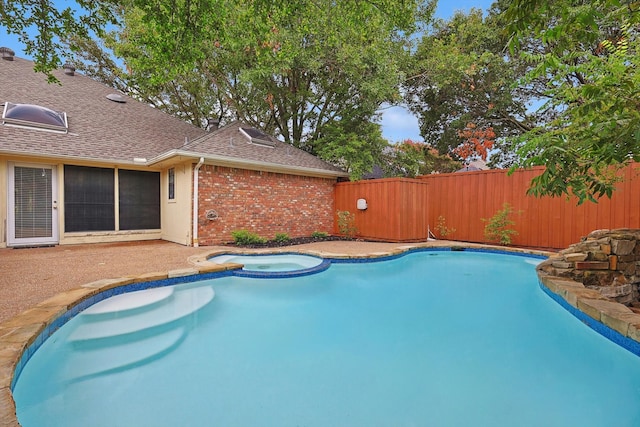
(63, 157)
(248, 164)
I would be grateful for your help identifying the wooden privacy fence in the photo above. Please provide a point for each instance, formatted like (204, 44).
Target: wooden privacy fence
(395, 208)
(402, 210)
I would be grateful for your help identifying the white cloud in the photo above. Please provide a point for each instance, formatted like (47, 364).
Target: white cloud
(399, 124)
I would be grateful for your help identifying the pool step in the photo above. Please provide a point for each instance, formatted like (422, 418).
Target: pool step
(87, 360)
(180, 304)
(119, 305)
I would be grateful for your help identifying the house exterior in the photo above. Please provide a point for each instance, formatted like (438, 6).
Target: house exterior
(82, 163)
(474, 166)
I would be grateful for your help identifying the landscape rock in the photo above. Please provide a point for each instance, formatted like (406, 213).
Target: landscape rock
(622, 247)
(607, 261)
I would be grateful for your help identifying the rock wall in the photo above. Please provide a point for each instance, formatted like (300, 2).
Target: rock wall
(606, 260)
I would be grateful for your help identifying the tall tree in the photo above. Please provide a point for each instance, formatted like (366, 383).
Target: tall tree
(355, 146)
(461, 86)
(591, 57)
(412, 158)
(299, 69)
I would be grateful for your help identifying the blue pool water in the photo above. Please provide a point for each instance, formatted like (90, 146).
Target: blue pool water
(429, 339)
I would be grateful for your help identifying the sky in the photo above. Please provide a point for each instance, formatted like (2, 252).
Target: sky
(397, 122)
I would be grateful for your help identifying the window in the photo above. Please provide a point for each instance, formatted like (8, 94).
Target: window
(139, 195)
(33, 201)
(172, 184)
(29, 115)
(88, 199)
(257, 137)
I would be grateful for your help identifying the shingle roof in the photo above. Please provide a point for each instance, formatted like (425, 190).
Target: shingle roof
(476, 165)
(104, 130)
(229, 143)
(98, 128)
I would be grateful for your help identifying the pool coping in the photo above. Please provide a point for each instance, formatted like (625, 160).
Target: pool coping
(21, 335)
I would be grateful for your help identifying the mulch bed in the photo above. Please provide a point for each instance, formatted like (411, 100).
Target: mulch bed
(291, 242)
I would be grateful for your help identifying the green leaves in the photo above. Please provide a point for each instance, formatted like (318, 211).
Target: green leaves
(298, 69)
(355, 146)
(461, 74)
(52, 25)
(589, 55)
(498, 228)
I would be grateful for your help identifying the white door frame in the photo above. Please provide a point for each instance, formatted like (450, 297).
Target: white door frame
(11, 229)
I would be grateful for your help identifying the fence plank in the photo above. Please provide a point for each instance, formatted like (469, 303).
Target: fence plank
(403, 209)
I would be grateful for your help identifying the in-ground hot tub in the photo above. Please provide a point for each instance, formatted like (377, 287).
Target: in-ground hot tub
(273, 264)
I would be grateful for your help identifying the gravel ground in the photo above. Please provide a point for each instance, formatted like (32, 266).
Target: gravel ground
(31, 275)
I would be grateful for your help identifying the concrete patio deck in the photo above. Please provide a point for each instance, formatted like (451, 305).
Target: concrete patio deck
(31, 275)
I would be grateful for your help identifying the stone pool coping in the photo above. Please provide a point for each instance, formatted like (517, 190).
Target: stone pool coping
(25, 331)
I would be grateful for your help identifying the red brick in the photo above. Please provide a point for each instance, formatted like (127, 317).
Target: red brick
(592, 265)
(264, 203)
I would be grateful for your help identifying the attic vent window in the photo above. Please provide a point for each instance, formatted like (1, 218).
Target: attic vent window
(34, 116)
(257, 137)
(116, 97)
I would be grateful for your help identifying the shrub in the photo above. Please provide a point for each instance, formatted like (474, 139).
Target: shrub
(244, 237)
(442, 229)
(282, 238)
(347, 223)
(319, 235)
(498, 226)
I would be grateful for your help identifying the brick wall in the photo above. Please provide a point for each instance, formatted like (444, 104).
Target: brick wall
(264, 203)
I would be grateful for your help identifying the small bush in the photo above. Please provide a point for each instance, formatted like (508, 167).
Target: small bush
(319, 235)
(498, 226)
(347, 223)
(244, 237)
(282, 238)
(442, 229)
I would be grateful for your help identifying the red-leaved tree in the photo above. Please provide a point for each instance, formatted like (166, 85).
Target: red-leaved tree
(476, 142)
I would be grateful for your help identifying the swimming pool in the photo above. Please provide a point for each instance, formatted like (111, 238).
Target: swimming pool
(428, 339)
